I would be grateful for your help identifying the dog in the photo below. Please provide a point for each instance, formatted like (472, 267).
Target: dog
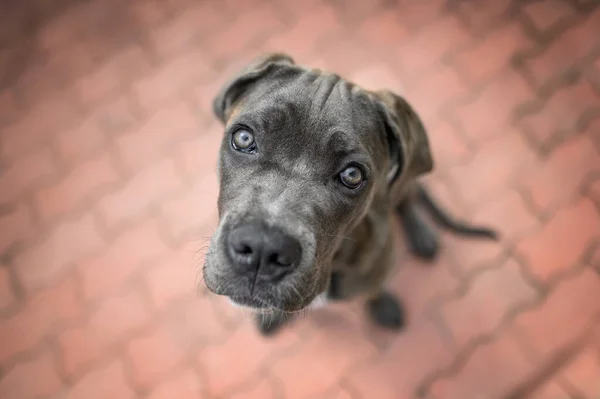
(314, 170)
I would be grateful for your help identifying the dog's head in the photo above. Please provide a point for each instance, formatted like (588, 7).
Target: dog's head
(303, 155)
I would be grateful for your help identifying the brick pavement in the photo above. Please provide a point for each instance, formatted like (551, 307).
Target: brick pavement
(107, 198)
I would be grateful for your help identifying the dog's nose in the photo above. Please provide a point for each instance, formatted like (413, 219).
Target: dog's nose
(273, 253)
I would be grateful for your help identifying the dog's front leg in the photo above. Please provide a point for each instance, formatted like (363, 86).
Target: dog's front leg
(384, 307)
(421, 238)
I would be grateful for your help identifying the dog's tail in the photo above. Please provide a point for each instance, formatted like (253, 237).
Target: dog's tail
(443, 218)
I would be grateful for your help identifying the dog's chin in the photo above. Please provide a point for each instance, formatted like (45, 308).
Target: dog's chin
(262, 299)
(260, 306)
(241, 298)
(253, 304)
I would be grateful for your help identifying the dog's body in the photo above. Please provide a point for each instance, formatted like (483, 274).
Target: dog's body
(314, 171)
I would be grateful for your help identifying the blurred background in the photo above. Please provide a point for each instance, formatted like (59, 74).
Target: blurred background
(108, 149)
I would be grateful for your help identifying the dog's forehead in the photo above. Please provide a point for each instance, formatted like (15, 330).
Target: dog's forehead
(312, 98)
(313, 119)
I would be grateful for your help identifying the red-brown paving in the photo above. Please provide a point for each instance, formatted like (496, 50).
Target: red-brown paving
(108, 189)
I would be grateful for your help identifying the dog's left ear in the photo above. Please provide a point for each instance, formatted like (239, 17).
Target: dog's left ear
(234, 90)
(405, 136)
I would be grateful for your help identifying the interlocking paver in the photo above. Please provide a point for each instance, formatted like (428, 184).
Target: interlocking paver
(117, 115)
(432, 43)
(239, 360)
(440, 88)
(171, 80)
(564, 114)
(448, 145)
(9, 110)
(330, 360)
(37, 317)
(485, 304)
(480, 17)
(564, 53)
(53, 256)
(16, 384)
(306, 33)
(76, 187)
(574, 375)
(582, 372)
(113, 76)
(556, 180)
(79, 143)
(492, 54)
(546, 16)
(490, 113)
(108, 191)
(7, 294)
(417, 15)
(187, 28)
(25, 173)
(106, 381)
(243, 31)
(154, 137)
(383, 30)
(494, 368)
(16, 224)
(262, 390)
(376, 76)
(146, 188)
(80, 348)
(184, 385)
(152, 356)
(42, 121)
(563, 313)
(494, 166)
(420, 353)
(550, 390)
(510, 215)
(130, 252)
(200, 323)
(570, 233)
(200, 154)
(174, 278)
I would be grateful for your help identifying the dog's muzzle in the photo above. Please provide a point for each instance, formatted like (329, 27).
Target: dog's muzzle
(262, 252)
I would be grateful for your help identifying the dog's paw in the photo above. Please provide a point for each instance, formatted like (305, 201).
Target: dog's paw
(386, 311)
(269, 324)
(424, 242)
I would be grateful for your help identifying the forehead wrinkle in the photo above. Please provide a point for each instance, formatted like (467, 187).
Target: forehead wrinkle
(279, 114)
(269, 115)
(322, 93)
(341, 143)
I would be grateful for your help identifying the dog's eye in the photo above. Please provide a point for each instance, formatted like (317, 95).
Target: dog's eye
(352, 177)
(243, 140)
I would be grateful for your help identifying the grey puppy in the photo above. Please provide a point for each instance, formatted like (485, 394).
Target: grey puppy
(314, 170)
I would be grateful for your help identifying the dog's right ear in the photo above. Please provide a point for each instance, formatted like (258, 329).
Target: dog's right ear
(234, 90)
(406, 137)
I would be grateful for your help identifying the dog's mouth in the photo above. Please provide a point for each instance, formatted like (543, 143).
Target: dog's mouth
(262, 297)
(263, 300)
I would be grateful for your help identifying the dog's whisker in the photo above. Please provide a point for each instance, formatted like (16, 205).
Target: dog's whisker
(203, 238)
(339, 236)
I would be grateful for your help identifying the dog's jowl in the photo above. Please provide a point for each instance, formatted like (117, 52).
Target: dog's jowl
(314, 170)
